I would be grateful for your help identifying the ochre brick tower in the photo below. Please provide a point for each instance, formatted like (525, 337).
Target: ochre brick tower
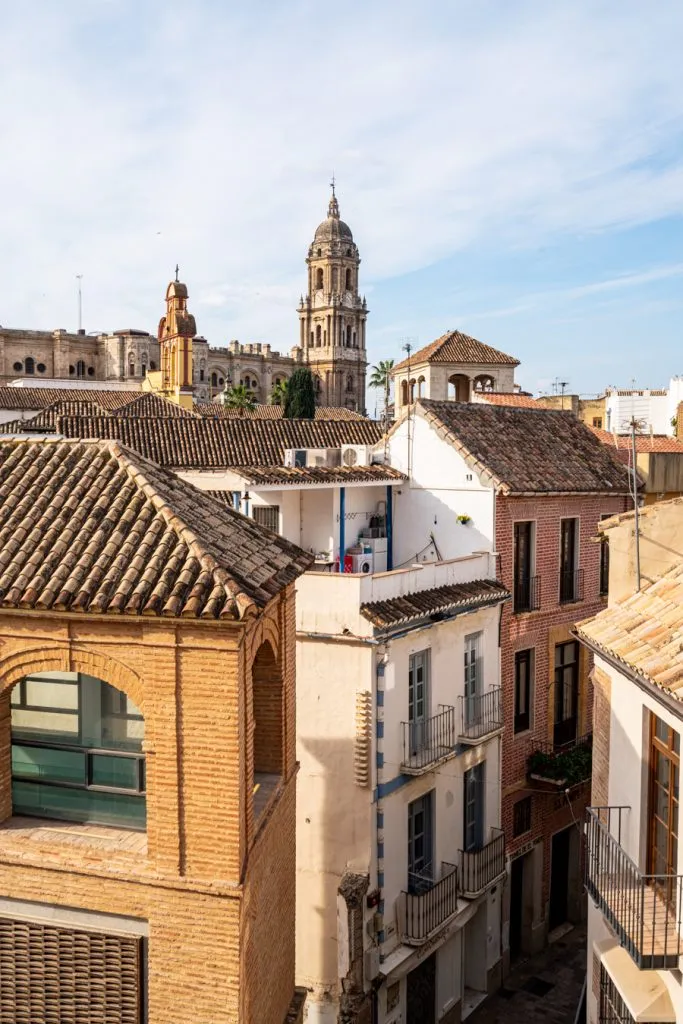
(332, 315)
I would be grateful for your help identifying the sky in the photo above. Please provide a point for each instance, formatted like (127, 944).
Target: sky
(511, 169)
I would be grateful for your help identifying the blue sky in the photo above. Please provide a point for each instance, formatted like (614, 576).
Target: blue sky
(511, 169)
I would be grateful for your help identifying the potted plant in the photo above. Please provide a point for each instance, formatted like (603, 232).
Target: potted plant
(464, 519)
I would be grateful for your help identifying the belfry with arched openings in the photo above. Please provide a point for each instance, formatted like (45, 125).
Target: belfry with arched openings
(147, 746)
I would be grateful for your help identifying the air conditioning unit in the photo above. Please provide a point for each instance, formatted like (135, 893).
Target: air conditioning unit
(362, 563)
(316, 456)
(295, 457)
(356, 454)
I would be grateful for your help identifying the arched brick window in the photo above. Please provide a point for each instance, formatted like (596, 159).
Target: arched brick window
(319, 279)
(404, 392)
(318, 336)
(29, 365)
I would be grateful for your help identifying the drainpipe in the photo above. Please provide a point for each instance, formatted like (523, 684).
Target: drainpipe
(390, 529)
(342, 527)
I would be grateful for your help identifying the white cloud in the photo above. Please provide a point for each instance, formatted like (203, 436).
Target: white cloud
(136, 136)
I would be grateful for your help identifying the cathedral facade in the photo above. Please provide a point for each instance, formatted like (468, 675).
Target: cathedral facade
(331, 340)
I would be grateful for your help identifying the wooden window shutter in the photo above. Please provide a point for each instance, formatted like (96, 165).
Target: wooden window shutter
(65, 975)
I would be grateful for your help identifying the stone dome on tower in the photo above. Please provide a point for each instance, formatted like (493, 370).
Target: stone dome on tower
(332, 228)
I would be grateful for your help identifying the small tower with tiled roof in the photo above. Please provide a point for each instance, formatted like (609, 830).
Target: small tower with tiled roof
(176, 331)
(332, 315)
(455, 367)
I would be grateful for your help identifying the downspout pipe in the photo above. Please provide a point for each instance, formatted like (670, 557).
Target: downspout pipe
(342, 527)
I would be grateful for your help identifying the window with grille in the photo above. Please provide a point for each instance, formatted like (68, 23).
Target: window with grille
(268, 516)
(523, 690)
(73, 976)
(521, 817)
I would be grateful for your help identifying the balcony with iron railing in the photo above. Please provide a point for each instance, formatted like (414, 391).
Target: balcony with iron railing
(480, 715)
(428, 742)
(571, 586)
(427, 905)
(643, 909)
(480, 869)
(527, 594)
(562, 765)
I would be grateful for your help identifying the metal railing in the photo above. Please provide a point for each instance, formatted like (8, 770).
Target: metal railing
(480, 869)
(527, 594)
(571, 586)
(566, 762)
(428, 906)
(480, 715)
(428, 741)
(644, 910)
(613, 1009)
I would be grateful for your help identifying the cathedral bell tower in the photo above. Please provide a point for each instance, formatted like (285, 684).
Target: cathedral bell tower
(176, 331)
(332, 315)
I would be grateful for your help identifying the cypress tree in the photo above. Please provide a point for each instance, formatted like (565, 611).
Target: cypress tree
(300, 396)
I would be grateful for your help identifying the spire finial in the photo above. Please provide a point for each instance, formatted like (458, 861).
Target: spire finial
(333, 208)
(177, 271)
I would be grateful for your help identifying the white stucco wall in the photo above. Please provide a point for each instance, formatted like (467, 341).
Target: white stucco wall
(442, 486)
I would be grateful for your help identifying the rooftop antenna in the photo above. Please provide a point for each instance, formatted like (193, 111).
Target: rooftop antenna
(635, 425)
(408, 348)
(562, 384)
(79, 278)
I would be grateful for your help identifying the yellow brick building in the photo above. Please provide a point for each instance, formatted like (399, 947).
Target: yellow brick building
(147, 747)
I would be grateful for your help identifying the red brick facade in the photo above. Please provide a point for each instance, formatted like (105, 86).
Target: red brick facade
(541, 630)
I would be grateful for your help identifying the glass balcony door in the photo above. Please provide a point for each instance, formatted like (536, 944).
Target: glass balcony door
(473, 677)
(663, 807)
(420, 844)
(418, 701)
(566, 693)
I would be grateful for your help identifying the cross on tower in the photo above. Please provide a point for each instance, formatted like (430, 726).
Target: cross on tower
(177, 271)
(332, 183)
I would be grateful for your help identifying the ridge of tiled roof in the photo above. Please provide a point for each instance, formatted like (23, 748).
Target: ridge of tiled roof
(46, 420)
(215, 410)
(524, 451)
(219, 444)
(322, 474)
(395, 611)
(643, 510)
(149, 404)
(456, 347)
(40, 398)
(645, 443)
(90, 527)
(644, 632)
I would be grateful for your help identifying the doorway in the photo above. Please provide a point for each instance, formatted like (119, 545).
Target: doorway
(516, 906)
(559, 878)
(421, 993)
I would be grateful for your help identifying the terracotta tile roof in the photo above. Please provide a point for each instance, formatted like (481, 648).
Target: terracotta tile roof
(644, 632)
(522, 451)
(219, 444)
(40, 398)
(439, 600)
(45, 421)
(644, 442)
(322, 474)
(214, 410)
(91, 527)
(456, 347)
(223, 497)
(643, 510)
(505, 398)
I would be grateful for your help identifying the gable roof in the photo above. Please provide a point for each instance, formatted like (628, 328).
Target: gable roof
(284, 475)
(91, 527)
(218, 411)
(644, 632)
(645, 443)
(45, 421)
(219, 444)
(523, 451)
(456, 347)
(395, 611)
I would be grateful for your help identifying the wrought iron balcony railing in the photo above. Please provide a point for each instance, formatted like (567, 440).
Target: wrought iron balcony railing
(428, 905)
(480, 715)
(571, 586)
(429, 741)
(482, 868)
(644, 910)
(561, 765)
(527, 594)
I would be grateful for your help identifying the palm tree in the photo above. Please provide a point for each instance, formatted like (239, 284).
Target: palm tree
(239, 397)
(381, 378)
(278, 395)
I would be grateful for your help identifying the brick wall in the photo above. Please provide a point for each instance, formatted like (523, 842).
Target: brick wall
(211, 891)
(541, 630)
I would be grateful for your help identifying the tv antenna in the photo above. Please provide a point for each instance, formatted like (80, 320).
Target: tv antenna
(79, 278)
